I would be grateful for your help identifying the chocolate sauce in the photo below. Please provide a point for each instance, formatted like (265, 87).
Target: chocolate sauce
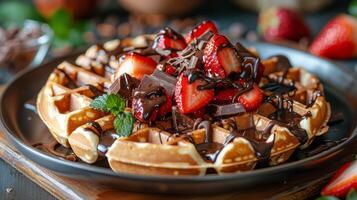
(71, 83)
(205, 124)
(96, 126)
(106, 140)
(57, 149)
(217, 82)
(258, 140)
(209, 151)
(148, 97)
(286, 117)
(96, 92)
(250, 63)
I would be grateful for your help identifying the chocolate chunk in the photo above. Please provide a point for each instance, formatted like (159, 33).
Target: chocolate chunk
(124, 86)
(181, 122)
(162, 79)
(229, 109)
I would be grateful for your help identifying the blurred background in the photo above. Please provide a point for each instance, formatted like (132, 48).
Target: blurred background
(32, 30)
(78, 23)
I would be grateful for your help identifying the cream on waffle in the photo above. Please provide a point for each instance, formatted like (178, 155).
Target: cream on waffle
(199, 105)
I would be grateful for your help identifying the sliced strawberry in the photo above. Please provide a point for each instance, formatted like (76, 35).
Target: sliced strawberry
(188, 97)
(225, 96)
(136, 65)
(220, 58)
(157, 111)
(344, 180)
(252, 99)
(168, 39)
(200, 30)
(338, 39)
(170, 69)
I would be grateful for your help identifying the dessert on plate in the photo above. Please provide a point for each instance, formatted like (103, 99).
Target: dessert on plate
(192, 104)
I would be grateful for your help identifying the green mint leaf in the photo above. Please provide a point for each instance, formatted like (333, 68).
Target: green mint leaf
(100, 103)
(352, 195)
(115, 104)
(327, 198)
(109, 103)
(124, 123)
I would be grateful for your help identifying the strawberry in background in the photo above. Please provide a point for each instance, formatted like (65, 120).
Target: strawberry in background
(278, 23)
(338, 39)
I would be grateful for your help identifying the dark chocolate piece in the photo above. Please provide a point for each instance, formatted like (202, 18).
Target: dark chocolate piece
(124, 85)
(181, 122)
(161, 79)
(229, 109)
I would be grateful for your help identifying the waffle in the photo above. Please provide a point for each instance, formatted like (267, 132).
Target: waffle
(230, 143)
(63, 103)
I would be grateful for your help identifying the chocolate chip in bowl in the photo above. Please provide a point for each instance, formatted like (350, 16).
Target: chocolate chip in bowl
(22, 46)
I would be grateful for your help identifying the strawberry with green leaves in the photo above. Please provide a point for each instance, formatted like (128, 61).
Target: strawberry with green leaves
(115, 104)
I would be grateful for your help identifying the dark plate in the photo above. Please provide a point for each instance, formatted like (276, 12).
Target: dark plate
(23, 128)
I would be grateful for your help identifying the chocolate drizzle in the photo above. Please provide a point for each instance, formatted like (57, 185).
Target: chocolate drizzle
(70, 82)
(149, 97)
(286, 117)
(57, 149)
(106, 140)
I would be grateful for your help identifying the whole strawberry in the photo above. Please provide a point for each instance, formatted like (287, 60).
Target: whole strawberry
(338, 39)
(279, 23)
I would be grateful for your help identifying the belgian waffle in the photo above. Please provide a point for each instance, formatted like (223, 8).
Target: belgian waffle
(167, 138)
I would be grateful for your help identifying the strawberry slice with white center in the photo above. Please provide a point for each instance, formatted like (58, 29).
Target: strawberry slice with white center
(343, 181)
(220, 58)
(252, 99)
(200, 30)
(189, 98)
(136, 65)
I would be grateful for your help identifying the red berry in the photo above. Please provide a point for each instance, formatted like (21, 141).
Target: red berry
(136, 65)
(168, 39)
(170, 69)
(338, 39)
(252, 99)
(278, 23)
(220, 58)
(201, 29)
(343, 181)
(189, 98)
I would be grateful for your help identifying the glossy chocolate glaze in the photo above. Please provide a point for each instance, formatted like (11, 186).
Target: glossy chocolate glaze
(149, 97)
(106, 139)
(57, 149)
